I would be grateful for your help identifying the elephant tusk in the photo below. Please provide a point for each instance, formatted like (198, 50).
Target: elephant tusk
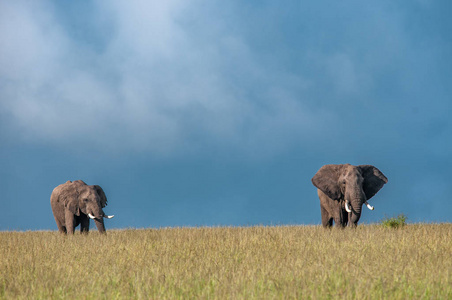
(369, 206)
(347, 208)
(91, 216)
(109, 217)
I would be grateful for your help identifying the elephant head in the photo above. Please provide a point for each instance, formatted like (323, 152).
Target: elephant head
(353, 185)
(75, 203)
(86, 199)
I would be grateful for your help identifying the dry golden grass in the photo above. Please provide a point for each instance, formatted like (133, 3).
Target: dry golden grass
(300, 262)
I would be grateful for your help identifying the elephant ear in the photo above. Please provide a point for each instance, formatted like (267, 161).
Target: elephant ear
(70, 197)
(100, 192)
(374, 180)
(326, 180)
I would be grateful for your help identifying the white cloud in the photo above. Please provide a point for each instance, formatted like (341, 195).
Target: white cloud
(30, 42)
(154, 86)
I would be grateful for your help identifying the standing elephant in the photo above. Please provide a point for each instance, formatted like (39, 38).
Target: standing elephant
(74, 203)
(341, 185)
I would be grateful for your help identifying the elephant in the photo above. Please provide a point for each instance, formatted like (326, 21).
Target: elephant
(74, 203)
(339, 186)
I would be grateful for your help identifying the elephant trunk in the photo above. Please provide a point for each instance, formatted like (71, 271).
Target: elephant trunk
(356, 200)
(98, 216)
(356, 206)
(100, 225)
(355, 215)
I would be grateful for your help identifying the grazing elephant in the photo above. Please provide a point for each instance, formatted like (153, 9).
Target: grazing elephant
(74, 203)
(341, 185)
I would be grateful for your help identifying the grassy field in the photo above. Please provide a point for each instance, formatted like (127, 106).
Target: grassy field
(298, 262)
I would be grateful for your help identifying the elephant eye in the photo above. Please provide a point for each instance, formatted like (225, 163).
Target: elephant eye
(85, 200)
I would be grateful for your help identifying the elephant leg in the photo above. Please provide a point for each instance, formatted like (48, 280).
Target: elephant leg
(59, 219)
(344, 217)
(340, 219)
(327, 221)
(70, 222)
(61, 227)
(84, 224)
(339, 223)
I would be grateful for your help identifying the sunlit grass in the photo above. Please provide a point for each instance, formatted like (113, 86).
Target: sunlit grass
(230, 263)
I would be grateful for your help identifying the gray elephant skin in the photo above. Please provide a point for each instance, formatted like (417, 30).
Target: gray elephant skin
(75, 203)
(343, 189)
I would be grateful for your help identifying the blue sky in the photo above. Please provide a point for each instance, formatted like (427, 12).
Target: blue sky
(220, 112)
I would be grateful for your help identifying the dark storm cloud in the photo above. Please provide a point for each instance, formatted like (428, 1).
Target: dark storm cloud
(152, 77)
